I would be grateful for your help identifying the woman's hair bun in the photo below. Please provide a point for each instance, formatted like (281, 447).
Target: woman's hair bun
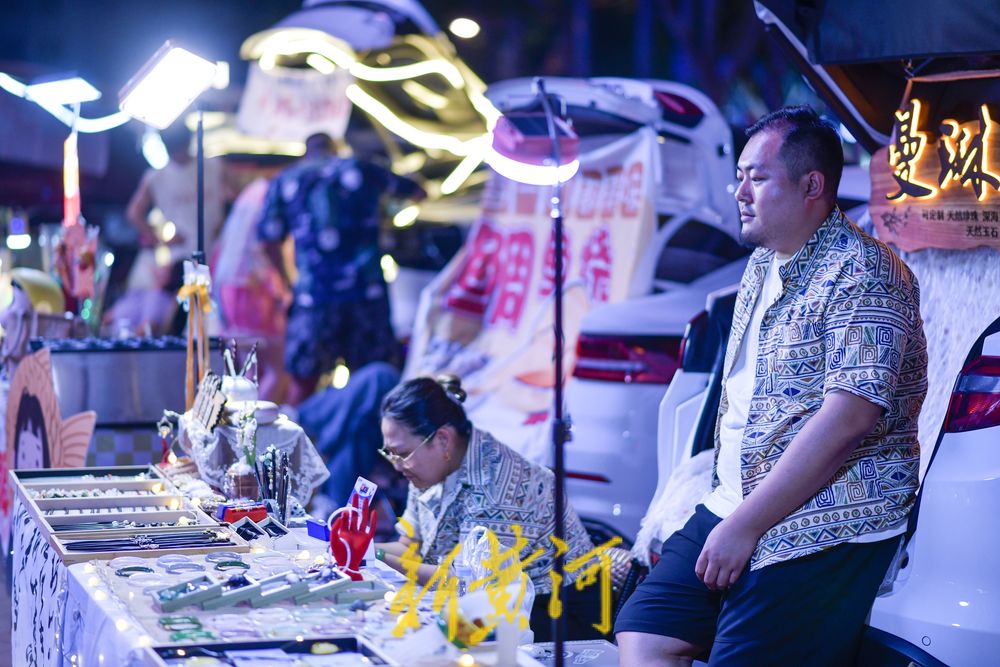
(452, 386)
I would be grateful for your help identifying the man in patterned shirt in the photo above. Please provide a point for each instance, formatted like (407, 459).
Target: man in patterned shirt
(816, 450)
(340, 309)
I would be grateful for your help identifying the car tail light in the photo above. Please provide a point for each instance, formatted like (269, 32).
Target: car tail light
(678, 109)
(975, 402)
(643, 359)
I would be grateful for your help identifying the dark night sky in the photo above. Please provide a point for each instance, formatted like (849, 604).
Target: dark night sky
(106, 41)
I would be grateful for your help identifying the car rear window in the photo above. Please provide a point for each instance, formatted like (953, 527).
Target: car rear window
(696, 249)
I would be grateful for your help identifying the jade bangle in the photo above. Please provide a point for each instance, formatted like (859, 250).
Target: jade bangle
(225, 565)
(220, 556)
(132, 569)
(184, 566)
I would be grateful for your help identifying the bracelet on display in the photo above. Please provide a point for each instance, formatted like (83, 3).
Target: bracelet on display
(270, 615)
(239, 633)
(285, 630)
(125, 561)
(185, 635)
(220, 556)
(185, 566)
(314, 615)
(226, 565)
(129, 570)
(228, 622)
(146, 581)
(180, 623)
(172, 559)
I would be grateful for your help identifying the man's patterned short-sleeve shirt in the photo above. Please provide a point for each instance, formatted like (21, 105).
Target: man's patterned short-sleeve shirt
(331, 207)
(848, 319)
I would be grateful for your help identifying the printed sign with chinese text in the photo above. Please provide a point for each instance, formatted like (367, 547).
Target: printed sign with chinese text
(285, 104)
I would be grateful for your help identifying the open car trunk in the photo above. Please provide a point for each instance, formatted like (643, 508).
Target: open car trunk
(859, 55)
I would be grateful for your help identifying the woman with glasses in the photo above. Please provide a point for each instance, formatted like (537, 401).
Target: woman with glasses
(461, 478)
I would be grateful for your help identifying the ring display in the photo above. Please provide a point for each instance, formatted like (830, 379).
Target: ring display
(102, 513)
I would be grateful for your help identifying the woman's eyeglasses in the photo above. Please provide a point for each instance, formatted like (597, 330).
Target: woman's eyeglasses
(396, 459)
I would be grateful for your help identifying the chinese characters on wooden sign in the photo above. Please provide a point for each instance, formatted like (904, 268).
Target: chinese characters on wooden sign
(938, 187)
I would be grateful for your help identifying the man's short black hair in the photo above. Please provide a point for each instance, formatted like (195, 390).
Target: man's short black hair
(320, 142)
(810, 143)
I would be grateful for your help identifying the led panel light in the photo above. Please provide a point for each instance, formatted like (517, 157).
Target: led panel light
(68, 90)
(530, 174)
(166, 85)
(521, 149)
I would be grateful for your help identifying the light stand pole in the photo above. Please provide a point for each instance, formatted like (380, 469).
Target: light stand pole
(199, 254)
(159, 92)
(519, 152)
(559, 427)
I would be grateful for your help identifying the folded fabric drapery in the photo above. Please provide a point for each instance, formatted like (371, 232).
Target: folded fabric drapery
(213, 452)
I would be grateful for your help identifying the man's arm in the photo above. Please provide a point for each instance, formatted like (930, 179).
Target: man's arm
(811, 459)
(137, 210)
(273, 251)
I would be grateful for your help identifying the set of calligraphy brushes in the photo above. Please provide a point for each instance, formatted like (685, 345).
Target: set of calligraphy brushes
(275, 478)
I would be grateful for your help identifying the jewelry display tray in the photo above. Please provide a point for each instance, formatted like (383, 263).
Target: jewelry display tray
(158, 656)
(161, 502)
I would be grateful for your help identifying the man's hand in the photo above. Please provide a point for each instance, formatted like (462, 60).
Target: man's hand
(725, 554)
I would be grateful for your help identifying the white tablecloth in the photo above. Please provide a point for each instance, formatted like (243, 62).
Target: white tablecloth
(81, 616)
(37, 597)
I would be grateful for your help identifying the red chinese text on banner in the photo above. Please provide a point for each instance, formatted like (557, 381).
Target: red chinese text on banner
(488, 316)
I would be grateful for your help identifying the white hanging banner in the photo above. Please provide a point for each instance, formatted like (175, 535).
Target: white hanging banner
(487, 317)
(284, 104)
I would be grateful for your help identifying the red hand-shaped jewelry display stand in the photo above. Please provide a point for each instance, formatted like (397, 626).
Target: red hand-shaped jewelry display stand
(351, 531)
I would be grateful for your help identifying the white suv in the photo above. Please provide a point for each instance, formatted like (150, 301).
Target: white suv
(627, 352)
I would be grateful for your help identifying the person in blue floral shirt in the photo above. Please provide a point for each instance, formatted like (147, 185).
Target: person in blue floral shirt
(331, 207)
(816, 450)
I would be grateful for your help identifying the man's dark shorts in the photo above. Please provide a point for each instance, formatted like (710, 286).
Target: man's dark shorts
(806, 611)
(359, 332)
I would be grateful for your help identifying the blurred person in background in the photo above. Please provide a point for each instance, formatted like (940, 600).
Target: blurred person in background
(250, 292)
(168, 237)
(339, 306)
